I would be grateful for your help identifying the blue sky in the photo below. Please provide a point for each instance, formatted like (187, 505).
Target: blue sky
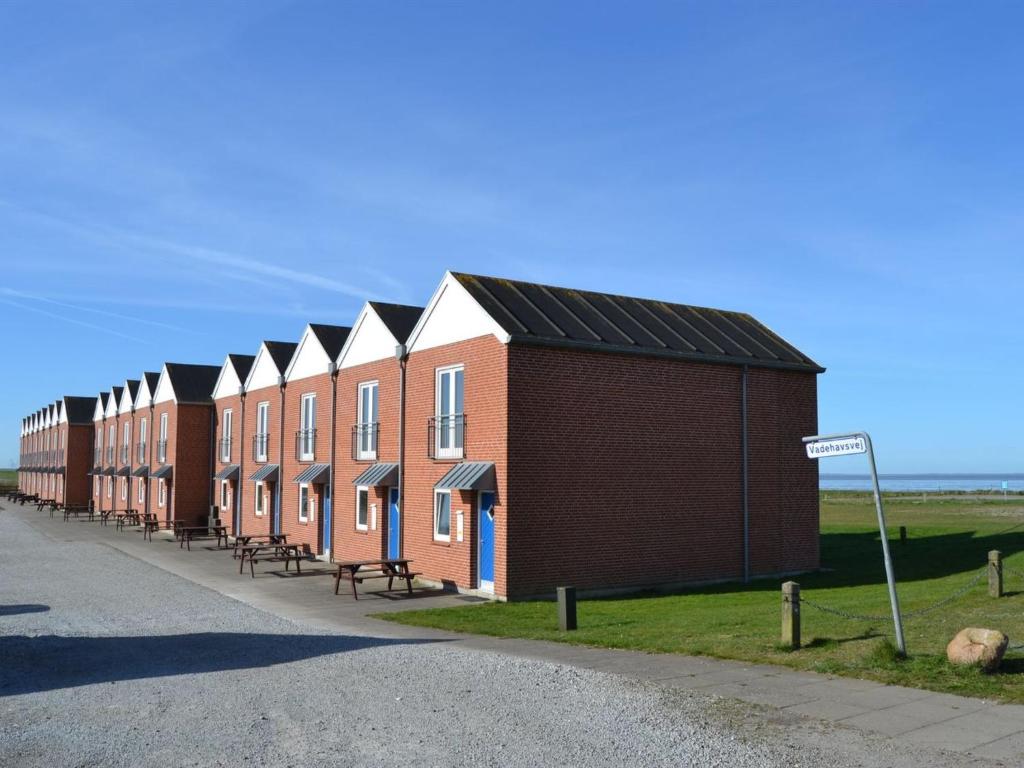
(181, 180)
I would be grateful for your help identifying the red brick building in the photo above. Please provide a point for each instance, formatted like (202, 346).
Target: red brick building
(102, 470)
(229, 450)
(263, 436)
(366, 509)
(124, 463)
(142, 450)
(74, 450)
(558, 437)
(309, 449)
(183, 429)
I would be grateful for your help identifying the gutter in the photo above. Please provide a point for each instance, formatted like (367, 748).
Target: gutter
(745, 448)
(332, 369)
(240, 495)
(402, 355)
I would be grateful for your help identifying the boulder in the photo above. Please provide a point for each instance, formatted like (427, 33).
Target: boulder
(983, 648)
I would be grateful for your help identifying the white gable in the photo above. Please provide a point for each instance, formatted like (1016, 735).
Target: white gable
(310, 359)
(97, 412)
(143, 397)
(46, 418)
(111, 405)
(164, 390)
(453, 315)
(62, 413)
(369, 340)
(264, 371)
(227, 381)
(126, 400)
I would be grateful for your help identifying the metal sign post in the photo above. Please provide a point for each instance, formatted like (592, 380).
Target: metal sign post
(822, 446)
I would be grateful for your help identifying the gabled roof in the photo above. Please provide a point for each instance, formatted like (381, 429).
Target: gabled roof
(151, 378)
(331, 337)
(281, 352)
(79, 410)
(100, 408)
(113, 400)
(242, 363)
(191, 383)
(400, 319)
(128, 394)
(147, 388)
(317, 351)
(531, 313)
(232, 375)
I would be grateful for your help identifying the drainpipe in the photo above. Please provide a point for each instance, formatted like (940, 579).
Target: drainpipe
(746, 477)
(240, 485)
(332, 368)
(213, 460)
(151, 430)
(402, 355)
(275, 519)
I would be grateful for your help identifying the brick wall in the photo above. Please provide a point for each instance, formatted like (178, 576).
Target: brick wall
(307, 533)
(251, 522)
(486, 391)
(236, 456)
(189, 446)
(349, 543)
(78, 461)
(625, 470)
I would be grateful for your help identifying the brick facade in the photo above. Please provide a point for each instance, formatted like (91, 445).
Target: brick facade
(251, 522)
(230, 491)
(189, 452)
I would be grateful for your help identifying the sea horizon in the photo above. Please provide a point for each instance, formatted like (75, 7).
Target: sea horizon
(924, 481)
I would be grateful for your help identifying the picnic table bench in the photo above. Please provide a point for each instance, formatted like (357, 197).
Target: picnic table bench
(120, 516)
(74, 510)
(150, 523)
(31, 498)
(40, 503)
(257, 538)
(272, 553)
(186, 533)
(384, 568)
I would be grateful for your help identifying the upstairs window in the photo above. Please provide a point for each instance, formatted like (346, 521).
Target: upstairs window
(307, 435)
(261, 438)
(367, 426)
(450, 420)
(225, 435)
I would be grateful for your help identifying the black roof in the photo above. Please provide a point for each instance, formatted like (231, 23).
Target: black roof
(132, 385)
(192, 383)
(281, 353)
(79, 409)
(332, 338)
(151, 377)
(400, 319)
(541, 314)
(116, 391)
(242, 364)
(104, 399)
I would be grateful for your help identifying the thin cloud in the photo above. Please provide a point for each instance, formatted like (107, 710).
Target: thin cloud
(106, 313)
(73, 321)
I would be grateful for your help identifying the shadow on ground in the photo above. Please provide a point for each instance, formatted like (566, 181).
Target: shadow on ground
(50, 662)
(13, 610)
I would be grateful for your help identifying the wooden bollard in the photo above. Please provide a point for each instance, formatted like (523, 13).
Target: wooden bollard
(995, 573)
(566, 608)
(903, 534)
(791, 615)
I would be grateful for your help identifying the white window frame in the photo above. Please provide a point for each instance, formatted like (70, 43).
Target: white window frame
(262, 430)
(367, 448)
(438, 536)
(126, 439)
(449, 427)
(96, 485)
(142, 438)
(304, 505)
(223, 494)
(363, 490)
(307, 440)
(161, 492)
(112, 442)
(124, 489)
(259, 503)
(141, 495)
(162, 441)
(227, 423)
(110, 487)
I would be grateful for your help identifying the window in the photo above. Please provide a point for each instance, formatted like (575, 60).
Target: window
(303, 503)
(259, 498)
(141, 458)
(142, 491)
(126, 438)
(367, 431)
(225, 436)
(161, 453)
(111, 439)
(362, 507)
(442, 515)
(124, 489)
(450, 419)
(223, 494)
(307, 437)
(110, 487)
(161, 492)
(262, 431)
(96, 486)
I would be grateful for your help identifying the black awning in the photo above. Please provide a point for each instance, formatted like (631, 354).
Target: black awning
(378, 474)
(142, 471)
(124, 471)
(469, 476)
(164, 473)
(230, 472)
(315, 473)
(268, 473)
(109, 471)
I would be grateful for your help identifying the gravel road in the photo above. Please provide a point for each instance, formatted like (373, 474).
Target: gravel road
(108, 661)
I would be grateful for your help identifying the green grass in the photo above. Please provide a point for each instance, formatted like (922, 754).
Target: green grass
(8, 477)
(948, 544)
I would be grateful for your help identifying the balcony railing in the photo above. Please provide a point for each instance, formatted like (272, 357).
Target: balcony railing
(364, 441)
(161, 451)
(224, 449)
(446, 436)
(110, 454)
(260, 446)
(305, 444)
(140, 453)
(123, 458)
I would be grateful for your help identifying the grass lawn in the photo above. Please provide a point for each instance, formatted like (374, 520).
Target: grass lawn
(949, 539)
(8, 477)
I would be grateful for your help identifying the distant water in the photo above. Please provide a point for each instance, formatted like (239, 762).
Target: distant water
(922, 483)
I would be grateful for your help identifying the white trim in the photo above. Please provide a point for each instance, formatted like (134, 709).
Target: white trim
(305, 426)
(369, 340)
(467, 319)
(143, 398)
(370, 453)
(262, 407)
(366, 525)
(112, 403)
(259, 505)
(304, 515)
(125, 406)
(224, 495)
(230, 384)
(227, 425)
(110, 487)
(124, 489)
(440, 536)
(304, 362)
(161, 492)
(164, 388)
(453, 451)
(263, 374)
(141, 495)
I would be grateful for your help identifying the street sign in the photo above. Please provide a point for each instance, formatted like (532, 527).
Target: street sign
(843, 446)
(822, 446)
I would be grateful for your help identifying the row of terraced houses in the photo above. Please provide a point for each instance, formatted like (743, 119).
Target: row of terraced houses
(507, 438)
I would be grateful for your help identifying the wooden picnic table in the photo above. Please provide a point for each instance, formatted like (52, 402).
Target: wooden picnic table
(186, 533)
(274, 553)
(121, 516)
(77, 509)
(40, 503)
(389, 568)
(31, 498)
(258, 538)
(151, 523)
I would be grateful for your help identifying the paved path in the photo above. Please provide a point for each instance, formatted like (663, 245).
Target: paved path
(921, 719)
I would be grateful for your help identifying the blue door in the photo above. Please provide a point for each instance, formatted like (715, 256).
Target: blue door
(394, 525)
(486, 540)
(326, 543)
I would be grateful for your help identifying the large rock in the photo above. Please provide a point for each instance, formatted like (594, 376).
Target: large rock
(979, 647)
